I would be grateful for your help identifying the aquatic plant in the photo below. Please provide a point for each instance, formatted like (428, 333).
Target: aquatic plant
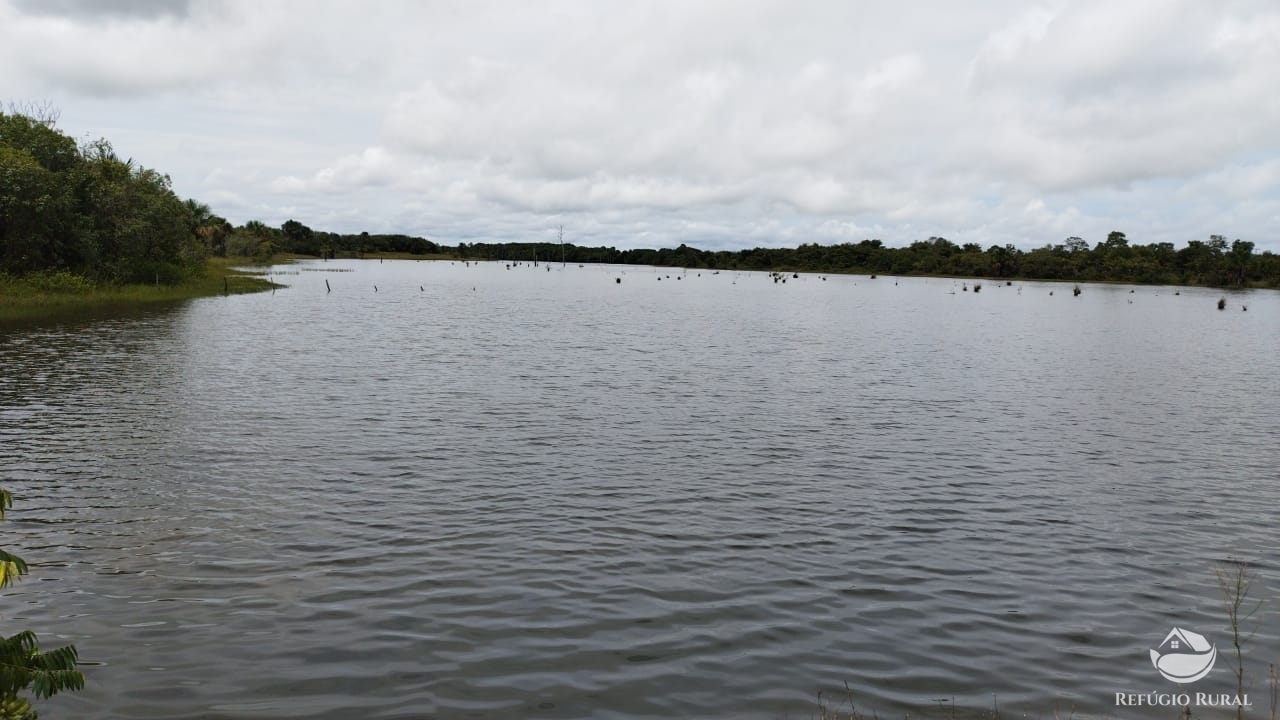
(1234, 581)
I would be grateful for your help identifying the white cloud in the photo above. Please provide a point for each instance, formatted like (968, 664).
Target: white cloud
(726, 122)
(1103, 94)
(372, 167)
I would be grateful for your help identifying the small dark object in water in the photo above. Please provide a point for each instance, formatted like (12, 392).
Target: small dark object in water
(1075, 291)
(375, 288)
(1244, 308)
(873, 277)
(1222, 303)
(1178, 293)
(795, 275)
(421, 289)
(619, 280)
(1050, 293)
(1008, 283)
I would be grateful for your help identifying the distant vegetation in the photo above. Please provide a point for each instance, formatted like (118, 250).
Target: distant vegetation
(1212, 262)
(81, 210)
(257, 240)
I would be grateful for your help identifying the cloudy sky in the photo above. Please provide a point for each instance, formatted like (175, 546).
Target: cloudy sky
(720, 124)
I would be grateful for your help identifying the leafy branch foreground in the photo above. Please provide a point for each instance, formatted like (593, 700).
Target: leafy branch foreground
(23, 666)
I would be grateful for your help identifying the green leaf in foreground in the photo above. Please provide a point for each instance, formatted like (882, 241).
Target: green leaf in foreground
(23, 667)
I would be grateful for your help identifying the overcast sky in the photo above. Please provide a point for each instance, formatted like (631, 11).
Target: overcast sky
(718, 124)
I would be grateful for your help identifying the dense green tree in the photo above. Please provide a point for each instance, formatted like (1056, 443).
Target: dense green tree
(932, 256)
(1049, 261)
(144, 231)
(38, 228)
(1004, 261)
(254, 239)
(85, 210)
(1240, 261)
(1201, 262)
(40, 224)
(1075, 244)
(211, 229)
(53, 150)
(300, 239)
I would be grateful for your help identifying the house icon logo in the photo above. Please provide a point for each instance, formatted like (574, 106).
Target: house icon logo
(1184, 656)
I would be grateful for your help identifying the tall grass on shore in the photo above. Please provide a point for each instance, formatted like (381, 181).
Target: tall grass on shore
(50, 294)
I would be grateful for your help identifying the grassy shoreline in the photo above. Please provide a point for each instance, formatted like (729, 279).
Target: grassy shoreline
(51, 296)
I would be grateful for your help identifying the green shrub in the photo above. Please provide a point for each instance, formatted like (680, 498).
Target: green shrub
(59, 281)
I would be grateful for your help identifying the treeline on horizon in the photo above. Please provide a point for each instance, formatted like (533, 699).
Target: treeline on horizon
(81, 209)
(1212, 262)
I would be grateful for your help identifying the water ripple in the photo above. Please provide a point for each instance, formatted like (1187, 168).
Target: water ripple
(555, 496)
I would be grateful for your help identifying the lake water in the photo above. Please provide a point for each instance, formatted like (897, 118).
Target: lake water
(491, 492)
